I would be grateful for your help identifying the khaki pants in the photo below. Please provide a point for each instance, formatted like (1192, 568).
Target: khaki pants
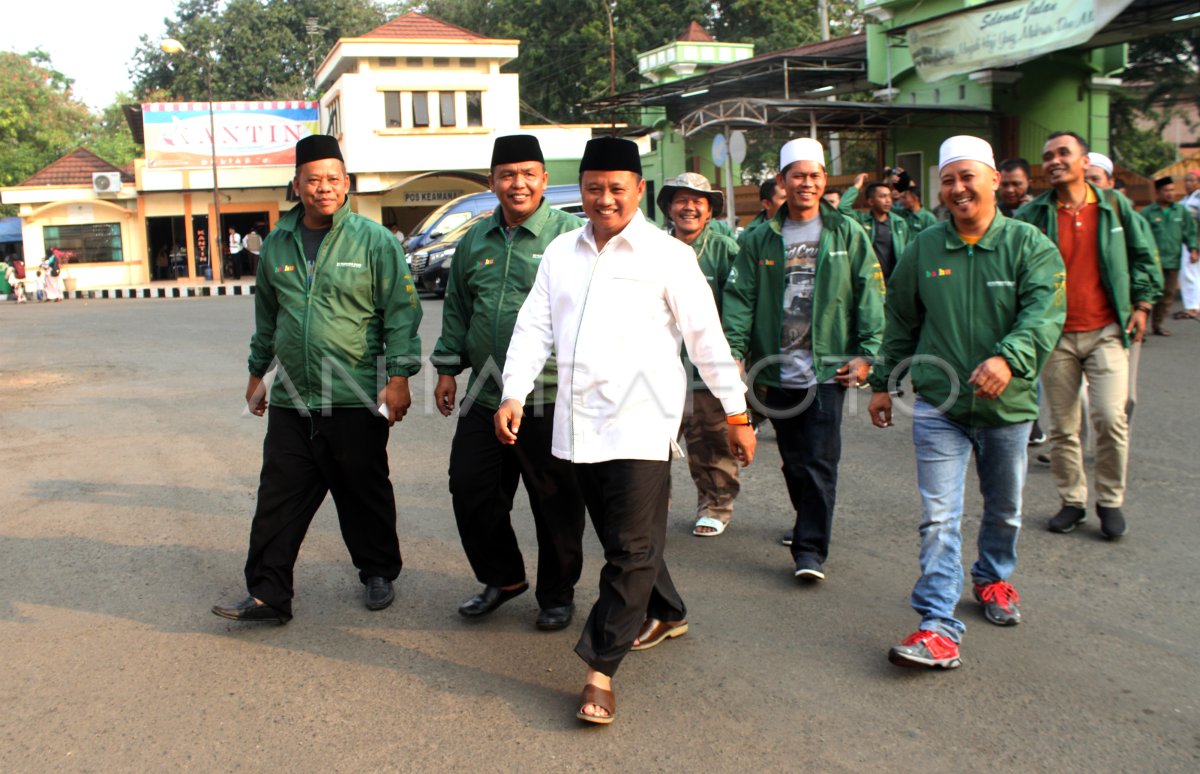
(1101, 355)
(714, 470)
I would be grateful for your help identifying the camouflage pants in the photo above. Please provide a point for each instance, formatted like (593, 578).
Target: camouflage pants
(714, 470)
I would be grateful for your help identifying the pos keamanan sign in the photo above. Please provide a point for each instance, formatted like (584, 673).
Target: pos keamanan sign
(249, 134)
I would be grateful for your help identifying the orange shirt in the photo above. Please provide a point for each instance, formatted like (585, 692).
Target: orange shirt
(1088, 307)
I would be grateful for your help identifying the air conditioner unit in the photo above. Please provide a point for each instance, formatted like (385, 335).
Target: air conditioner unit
(106, 182)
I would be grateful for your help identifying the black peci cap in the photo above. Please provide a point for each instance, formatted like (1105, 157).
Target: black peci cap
(611, 154)
(515, 148)
(316, 147)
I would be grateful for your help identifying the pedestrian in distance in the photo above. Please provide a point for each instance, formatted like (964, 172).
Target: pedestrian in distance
(493, 271)
(974, 307)
(1015, 178)
(1174, 231)
(337, 312)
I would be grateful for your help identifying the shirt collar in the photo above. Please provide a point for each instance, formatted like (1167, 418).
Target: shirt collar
(533, 224)
(633, 234)
(1089, 198)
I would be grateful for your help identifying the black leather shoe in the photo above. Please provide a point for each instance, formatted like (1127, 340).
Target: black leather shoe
(551, 619)
(250, 609)
(380, 593)
(489, 599)
(1066, 519)
(1112, 522)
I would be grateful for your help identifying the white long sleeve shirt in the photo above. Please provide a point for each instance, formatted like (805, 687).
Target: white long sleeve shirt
(615, 319)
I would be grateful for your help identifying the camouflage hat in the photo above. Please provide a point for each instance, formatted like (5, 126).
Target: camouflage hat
(691, 181)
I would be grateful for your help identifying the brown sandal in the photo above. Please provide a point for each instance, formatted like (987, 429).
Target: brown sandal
(594, 694)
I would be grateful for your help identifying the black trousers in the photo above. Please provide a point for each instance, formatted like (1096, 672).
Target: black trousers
(627, 500)
(304, 458)
(810, 444)
(483, 483)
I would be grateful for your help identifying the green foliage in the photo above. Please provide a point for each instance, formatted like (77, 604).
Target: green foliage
(257, 49)
(39, 119)
(1140, 149)
(1161, 81)
(109, 136)
(564, 57)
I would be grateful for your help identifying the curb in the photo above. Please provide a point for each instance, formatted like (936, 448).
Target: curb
(184, 291)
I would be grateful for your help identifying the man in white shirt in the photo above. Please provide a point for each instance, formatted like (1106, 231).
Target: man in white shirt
(614, 300)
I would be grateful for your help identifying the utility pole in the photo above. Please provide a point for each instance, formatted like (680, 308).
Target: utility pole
(612, 52)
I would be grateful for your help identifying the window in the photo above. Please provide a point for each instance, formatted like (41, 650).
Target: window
(474, 108)
(446, 104)
(333, 118)
(466, 61)
(420, 110)
(391, 109)
(91, 243)
(414, 61)
(441, 61)
(387, 61)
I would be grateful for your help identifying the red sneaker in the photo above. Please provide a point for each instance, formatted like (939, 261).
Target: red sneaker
(999, 602)
(927, 649)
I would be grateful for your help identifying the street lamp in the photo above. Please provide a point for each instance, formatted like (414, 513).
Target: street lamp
(215, 238)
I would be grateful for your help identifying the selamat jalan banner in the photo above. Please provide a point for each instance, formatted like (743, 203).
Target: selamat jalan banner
(1005, 34)
(249, 134)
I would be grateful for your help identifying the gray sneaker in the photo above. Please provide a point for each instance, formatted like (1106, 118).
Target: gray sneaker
(1066, 519)
(999, 600)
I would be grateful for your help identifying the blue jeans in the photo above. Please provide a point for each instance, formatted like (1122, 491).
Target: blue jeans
(943, 449)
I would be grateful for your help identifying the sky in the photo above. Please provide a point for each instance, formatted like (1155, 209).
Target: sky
(89, 41)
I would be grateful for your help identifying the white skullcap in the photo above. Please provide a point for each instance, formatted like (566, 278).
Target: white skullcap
(964, 147)
(803, 149)
(1102, 161)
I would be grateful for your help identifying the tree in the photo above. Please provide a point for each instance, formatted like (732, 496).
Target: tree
(1163, 75)
(258, 49)
(564, 57)
(39, 118)
(109, 136)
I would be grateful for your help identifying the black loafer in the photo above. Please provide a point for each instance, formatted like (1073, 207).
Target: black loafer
(551, 619)
(250, 609)
(489, 599)
(380, 593)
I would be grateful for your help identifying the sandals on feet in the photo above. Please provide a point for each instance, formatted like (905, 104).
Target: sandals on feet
(716, 525)
(605, 700)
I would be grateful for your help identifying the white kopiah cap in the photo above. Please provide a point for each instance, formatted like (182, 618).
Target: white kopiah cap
(964, 147)
(1102, 161)
(803, 149)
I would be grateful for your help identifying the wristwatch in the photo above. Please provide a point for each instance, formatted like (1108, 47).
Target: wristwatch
(738, 419)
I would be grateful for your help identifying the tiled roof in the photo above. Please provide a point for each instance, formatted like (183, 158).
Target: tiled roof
(414, 25)
(695, 34)
(75, 168)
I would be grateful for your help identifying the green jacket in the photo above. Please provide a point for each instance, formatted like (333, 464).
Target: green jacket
(867, 220)
(917, 221)
(715, 253)
(329, 339)
(1173, 227)
(847, 297)
(1129, 266)
(490, 276)
(954, 305)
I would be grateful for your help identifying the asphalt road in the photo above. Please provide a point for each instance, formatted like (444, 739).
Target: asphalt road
(129, 480)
